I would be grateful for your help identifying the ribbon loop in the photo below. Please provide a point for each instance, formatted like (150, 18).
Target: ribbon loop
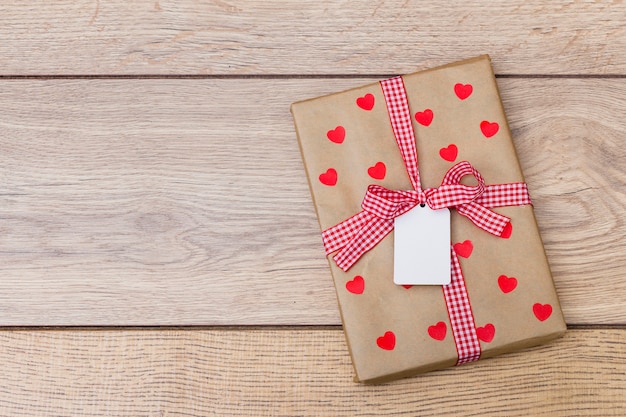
(452, 195)
(389, 204)
(451, 192)
(458, 171)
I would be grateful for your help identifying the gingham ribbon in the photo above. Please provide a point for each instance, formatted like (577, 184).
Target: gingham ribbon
(361, 232)
(460, 313)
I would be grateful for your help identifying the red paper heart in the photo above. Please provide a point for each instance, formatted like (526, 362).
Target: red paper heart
(387, 342)
(506, 232)
(366, 102)
(488, 128)
(424, 117)
(507, 284)
(464, 249)
(450, 153)
(438, 331)
(407, 286)
(378, 171)
(337, 134)
(329, 177)
(463, 91)
(486, 333)
(542, 311)
(356, 286)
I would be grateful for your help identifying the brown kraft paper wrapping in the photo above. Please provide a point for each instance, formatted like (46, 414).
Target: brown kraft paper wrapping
(517, 311)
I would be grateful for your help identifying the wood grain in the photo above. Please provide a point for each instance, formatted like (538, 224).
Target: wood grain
(292, 372)
(156, 202)
(312, 37)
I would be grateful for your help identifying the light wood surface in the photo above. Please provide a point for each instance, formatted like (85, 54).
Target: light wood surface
(310, 37)
(158, 202)
(293, 372)
(147, 155)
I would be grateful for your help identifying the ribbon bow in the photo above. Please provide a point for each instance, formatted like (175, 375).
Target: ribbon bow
(361, 232)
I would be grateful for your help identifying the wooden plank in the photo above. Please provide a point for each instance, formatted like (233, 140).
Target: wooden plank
(156, 202)
(289, 372)
(308, 37)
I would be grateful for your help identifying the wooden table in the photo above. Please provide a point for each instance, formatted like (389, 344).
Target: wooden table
(159, 251)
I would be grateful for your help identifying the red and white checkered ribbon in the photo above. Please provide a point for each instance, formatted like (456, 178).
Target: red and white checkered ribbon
(460, 313)
(361, 232)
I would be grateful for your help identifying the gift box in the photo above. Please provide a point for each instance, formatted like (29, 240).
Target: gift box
(434, 140)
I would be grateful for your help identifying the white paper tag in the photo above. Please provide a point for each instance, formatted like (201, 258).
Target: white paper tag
(422, 247)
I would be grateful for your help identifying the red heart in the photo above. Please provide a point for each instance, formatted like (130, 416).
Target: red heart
(329, 177)
(424, 117)
(336, 135)
(464, 249)
(356, 286)
(387, 342)
(449, 153)
(486, 333)
(542, 311)
(463, 91)
(507, 284)
(378, 171)
(438, 331)
(407, 286)
(366, 102)
(489, 129)
(506, 232)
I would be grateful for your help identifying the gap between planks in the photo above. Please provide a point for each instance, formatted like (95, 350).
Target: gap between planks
(233, 328)
(275, 76)
(311, 36)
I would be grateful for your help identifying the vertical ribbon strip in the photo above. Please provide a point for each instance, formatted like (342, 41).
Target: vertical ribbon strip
(400, 116)
(455, 294)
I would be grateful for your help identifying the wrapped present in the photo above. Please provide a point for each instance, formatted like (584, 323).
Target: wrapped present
(418, 146)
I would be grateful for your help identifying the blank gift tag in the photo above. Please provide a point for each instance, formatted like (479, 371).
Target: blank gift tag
(422, 247)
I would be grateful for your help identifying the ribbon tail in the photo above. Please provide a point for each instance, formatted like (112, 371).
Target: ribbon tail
(364, 240)
(484, 218)
(501, 195)
(341, 234)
